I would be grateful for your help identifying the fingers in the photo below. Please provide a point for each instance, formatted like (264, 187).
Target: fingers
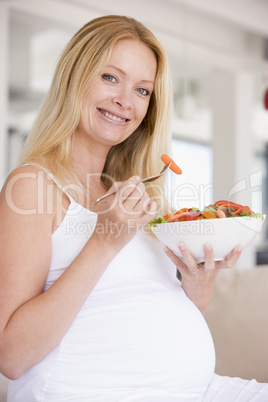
(188, 264)
(134, 199)
(137, 202)
(133, 194)
(130, 201)
(188, 258)
(198, 280)
(209, 263)
(232, 258)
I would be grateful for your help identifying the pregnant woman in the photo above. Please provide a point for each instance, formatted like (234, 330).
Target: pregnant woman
(91, 309)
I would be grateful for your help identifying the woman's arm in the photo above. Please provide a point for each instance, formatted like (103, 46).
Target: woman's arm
(33, 322)
(199, 280)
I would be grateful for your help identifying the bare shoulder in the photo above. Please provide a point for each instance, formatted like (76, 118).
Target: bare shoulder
(30, 190)
(25, 188)
(27, 213)
(25, 237)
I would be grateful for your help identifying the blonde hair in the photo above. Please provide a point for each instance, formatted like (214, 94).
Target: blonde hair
(87, 53)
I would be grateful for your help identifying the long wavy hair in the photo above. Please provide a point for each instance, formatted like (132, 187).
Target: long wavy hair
(88, 52)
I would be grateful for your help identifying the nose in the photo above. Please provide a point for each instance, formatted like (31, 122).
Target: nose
(123, 99)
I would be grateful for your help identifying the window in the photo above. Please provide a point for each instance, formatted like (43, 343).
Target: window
(194, 188)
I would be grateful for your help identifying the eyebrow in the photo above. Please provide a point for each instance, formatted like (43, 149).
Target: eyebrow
(123, 72)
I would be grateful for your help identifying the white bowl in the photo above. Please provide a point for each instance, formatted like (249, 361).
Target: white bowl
(224, 234)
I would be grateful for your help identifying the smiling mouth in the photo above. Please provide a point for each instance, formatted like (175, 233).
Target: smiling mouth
(112, 116)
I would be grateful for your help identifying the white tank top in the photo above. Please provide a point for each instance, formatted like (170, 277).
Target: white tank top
(137, 338)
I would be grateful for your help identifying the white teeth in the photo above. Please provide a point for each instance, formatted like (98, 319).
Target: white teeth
(111, 116)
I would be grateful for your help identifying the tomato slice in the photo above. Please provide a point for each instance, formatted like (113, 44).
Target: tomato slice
(246, 209)
(175, 216)
(185, 216)
(180, 211)
(223, 203)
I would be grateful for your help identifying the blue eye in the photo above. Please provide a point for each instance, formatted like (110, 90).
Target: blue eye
(143, 91)
(108, 77)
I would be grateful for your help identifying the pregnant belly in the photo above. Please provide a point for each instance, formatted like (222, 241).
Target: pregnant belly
(158, 339)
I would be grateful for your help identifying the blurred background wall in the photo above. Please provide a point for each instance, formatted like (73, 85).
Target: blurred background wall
(218, 53)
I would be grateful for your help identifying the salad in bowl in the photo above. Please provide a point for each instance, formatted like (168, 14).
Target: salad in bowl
(224, 225)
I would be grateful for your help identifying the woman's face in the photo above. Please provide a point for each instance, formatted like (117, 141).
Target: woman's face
(118, 101)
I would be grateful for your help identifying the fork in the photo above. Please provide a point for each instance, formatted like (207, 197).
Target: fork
(146, 180)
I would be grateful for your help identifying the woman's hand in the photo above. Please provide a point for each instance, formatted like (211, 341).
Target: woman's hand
(121, 215)
(198, 280)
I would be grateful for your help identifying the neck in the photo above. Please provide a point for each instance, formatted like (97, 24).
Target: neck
(89, 157)
(88, 162)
